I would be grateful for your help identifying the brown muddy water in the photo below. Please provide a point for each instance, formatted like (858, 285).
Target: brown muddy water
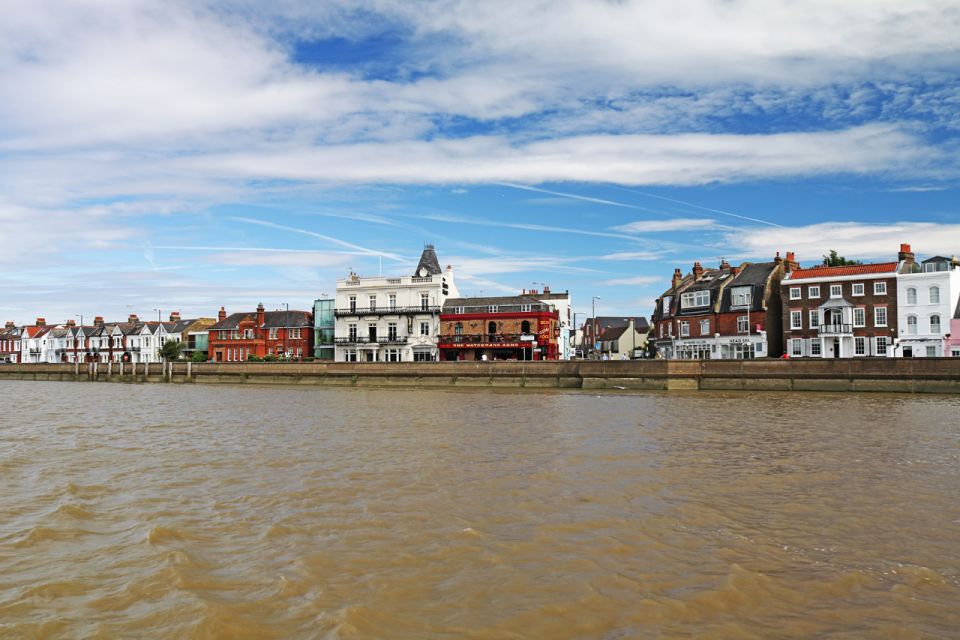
(161, 511)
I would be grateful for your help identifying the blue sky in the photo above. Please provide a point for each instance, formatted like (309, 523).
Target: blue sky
(188, 155)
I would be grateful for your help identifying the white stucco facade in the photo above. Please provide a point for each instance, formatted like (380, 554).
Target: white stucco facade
(925, 305)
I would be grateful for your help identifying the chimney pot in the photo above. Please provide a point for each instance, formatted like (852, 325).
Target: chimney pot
(697, 270)
(41, 322)
(98, 321)
(222, 315)
(132, 318)
(71, 323)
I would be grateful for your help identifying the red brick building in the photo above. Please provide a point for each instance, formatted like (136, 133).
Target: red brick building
(10, 343)
(284, 334)
(500, 328)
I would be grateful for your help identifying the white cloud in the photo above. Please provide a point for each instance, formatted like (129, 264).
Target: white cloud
(633, 281)
(679, 224)
(851, 239)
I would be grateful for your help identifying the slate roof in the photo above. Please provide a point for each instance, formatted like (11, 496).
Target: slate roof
(753, 275)
(271, 320)
(429, 261)
(845, 270)
(605, 322)
(498, 301)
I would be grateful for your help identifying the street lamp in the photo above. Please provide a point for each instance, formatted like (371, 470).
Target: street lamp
(593, 321)
(633, 329)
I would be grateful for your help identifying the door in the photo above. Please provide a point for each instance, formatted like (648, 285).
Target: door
(836, 347)
(908, 352)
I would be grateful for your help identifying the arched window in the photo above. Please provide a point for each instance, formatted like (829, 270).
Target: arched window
(525, 326)
(935, 323)
(934, 296)
(492, 328)
(458, 329)
(911, 296)
(912, 325)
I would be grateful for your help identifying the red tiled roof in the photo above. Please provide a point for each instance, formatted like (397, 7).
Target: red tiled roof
(846, 270)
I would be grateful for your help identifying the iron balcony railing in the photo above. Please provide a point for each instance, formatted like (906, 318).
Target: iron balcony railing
(385, 311)
(836, 328)
(368, 340)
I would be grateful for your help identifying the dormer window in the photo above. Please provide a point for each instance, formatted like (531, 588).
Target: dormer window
(695, 299)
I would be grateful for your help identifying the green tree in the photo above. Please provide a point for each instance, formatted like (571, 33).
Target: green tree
(199, 356)
(835, 260)
(254, 358)
(171, 350)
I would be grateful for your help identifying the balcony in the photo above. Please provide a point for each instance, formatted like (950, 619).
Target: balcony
(836, 329)
(368, 340)
(385, 311)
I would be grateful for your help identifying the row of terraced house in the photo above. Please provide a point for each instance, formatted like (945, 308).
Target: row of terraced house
(899, 308)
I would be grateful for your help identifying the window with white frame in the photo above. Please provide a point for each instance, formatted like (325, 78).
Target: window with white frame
(392, 301)
(704, 327)
(493, 308)
(955, 352)
(815, 347)
(684, 329)
(836, 291)
(880, 345)
(935, 324)
(857, 289)
(695, 299)
(859, 346)
(931, 351)
(796, 347)
(813, 291)
(373, 302)
(794, 293)
(934, 295)
(743, 324)
(879, 316)
(911, 296)
(912, 325)
(741, 296)
(458, 310)
(424, 328)
(273, 333)
(796, 320)
(248, 334)
(353, 304)
(424, 301)
(814, 318)
(859, 317)
(391, 330)
(352, 331)
(880, 288)
(525, 308)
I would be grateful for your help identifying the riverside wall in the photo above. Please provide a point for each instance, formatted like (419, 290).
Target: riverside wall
(902, 375)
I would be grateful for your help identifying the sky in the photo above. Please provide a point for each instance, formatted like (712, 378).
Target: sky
(183, 155)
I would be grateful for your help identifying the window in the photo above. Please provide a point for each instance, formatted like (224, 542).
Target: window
(860, 317)
(424, 328)
(741, 296)
(879, 316)
(392, 355)
(794, 293)
(353, 305)
(424, 301)
(493, 308)
(934, 295)
(372, 331)
(704, 327)
(815, 347)
(743, 324)
(352, 332)
(859, 346)
(796, 347)
(911, 296)
(880, 346)
(293, 334)
(935, 324)
(373, 303)
(350, 355)
(814, 318)
(796, 320)
(274, 333)
(836, 291)
(525, 308)
(879, 288)
(931, 352)
(667, 301)
(458, 310)
(912, 325)
(684, 329)
(955, 352)
(813, 291)
(422, 356)
(695, 299)
(458, 329)
(392, 301)
(392, 330)
(248, 334)
(858, 288)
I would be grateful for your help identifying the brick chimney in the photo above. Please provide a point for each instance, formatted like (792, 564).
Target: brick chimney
(10, 324)
(222, 315)
(260, 316)
(71, 323)
(724, 264)
(132, 318)
(792, 263)
(41, 322)
(98, 321)
(677, 277)
(906, 254)
(175, 316)
(546, 288)
(697, 270)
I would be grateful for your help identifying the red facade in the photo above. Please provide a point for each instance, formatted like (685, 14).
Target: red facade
(283, 334)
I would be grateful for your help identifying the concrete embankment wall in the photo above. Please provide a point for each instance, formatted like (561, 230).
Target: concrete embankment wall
(906, 375)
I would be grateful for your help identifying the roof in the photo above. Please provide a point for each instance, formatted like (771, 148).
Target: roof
(845, 270)
(428, 261)
(489, 301)
(936, 259)
(271, 320)
(753, 275)
(612, 333)
(605, 322)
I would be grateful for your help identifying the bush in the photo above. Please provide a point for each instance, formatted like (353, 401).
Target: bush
(269, 358)
(254, 358)
(198, 356)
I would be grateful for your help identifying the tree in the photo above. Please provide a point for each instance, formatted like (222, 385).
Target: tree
(171, 350)
(834, 260)
(199, 356)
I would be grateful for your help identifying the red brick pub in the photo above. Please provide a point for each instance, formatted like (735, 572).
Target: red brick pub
(500, 328)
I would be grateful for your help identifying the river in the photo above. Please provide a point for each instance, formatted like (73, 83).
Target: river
(192, 511)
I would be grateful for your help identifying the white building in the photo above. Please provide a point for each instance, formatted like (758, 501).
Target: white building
(392, 319)
(925, 304)
(561, 302)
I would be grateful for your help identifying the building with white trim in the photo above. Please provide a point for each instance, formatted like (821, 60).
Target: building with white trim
(926, 300)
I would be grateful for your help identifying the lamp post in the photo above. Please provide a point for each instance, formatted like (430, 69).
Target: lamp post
(633, 330)
(286, 330)
(593, 321)
(159, 342)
